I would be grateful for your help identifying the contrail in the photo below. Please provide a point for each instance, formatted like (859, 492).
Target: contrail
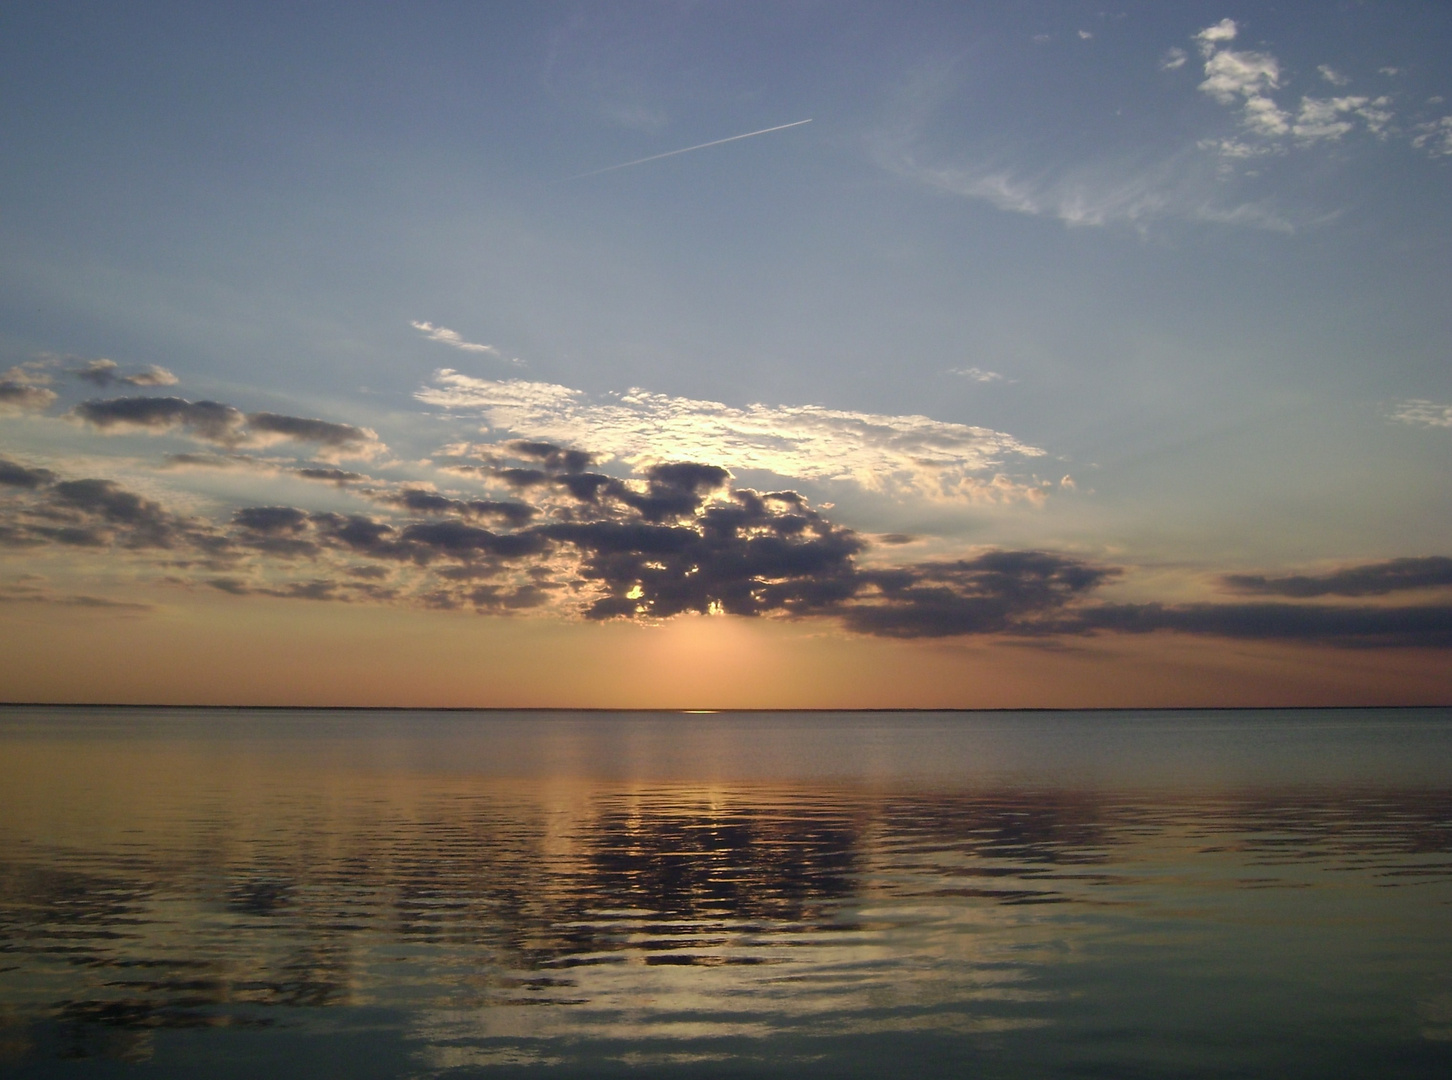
(688, 149)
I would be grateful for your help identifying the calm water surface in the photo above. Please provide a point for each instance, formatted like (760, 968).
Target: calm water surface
(240, 893)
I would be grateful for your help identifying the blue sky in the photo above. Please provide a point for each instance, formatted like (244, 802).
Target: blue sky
(1159, 289)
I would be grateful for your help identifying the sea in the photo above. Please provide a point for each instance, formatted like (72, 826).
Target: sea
(304, 893)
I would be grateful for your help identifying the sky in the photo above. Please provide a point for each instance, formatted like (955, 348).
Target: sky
(726, 355)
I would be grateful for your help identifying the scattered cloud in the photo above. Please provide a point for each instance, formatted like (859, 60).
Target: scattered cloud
(1249, 80)
(1330, 118)
(1173, 59)
(893, 454)
(1242, 77)
(1085, 35)
(1423, 413)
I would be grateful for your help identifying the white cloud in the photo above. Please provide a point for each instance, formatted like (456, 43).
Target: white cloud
(1230, 76)
(978, 374)
(892, 454)
(1435, 137)
(1248, 79)
(1327, 118)
(1236, 148)
(1173, 60)
(1224, 30)
(444, 336)
(1085, 35)
(1423, 413)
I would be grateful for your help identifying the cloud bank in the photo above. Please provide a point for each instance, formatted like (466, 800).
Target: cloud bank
(677, 537)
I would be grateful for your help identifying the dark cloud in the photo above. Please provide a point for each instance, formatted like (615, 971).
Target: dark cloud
(429, 502)
(224, 425)
(209, 421)
(1428, 625)
(1368, 579)
(588, 487)
(520, 479)
(753, 556)
(674, 539)
(674, 490)
(144, 523)
(277, 530)
(14, 474)
(23, 395)
(274, 520)
(94, 513)
(360, 534)
(456, 539)
(552, 456)
(341, 477)
(322, 432)
(997, 592)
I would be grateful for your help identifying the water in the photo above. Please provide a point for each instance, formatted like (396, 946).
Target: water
(243, 893)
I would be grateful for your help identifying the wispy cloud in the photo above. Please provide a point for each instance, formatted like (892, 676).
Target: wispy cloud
(893, 454)
(1139, 189)
(1435, 137)
(979, 375)
(1423, 413)
(444, 336)
(1124, 191)
(1208, 179)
